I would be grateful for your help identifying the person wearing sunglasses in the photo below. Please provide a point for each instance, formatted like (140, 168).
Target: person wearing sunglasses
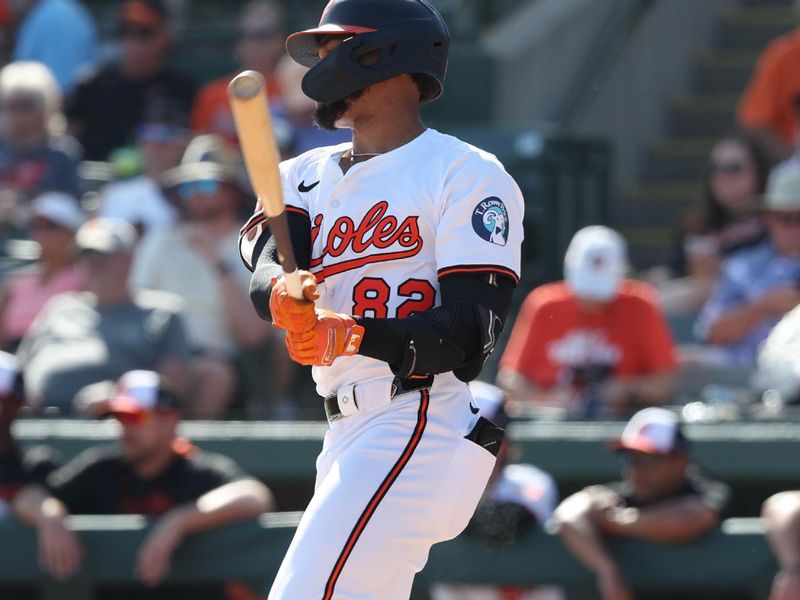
(726, 220)
(259, 46)
(151, 472)
(107, 107)
(663, 498)
(203, 270)
(758, 285)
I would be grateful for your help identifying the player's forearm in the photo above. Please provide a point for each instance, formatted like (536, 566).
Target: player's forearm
(781, 515)
(34, 506)
(237, 501)
(678, 521)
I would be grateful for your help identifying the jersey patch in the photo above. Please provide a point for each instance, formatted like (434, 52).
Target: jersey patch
(490, 221)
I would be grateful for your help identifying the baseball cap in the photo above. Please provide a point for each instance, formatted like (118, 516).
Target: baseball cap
(783, 188)
(106, 236)
(207, 158)
(490, 401)
(59, 208)
(595, 263)
(140, 392)
(145, 13)
(652, 431)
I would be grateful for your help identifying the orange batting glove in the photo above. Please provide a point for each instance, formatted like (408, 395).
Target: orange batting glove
(333, 335)
(289, 313)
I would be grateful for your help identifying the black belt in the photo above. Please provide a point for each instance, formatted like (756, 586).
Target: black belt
(399, 386)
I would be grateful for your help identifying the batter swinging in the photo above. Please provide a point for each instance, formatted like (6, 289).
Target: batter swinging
(410, 244)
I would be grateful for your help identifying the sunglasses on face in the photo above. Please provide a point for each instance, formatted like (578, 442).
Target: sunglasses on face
(42, 225)
(136, 32)
(785, 218)
(206, 187)
(727, 168)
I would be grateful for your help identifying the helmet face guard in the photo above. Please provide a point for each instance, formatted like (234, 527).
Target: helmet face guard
(413, 41)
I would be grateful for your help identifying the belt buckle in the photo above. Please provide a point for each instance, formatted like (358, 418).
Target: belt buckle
(346, 399)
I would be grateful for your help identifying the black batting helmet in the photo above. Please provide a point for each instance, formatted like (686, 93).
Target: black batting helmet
(409, 36)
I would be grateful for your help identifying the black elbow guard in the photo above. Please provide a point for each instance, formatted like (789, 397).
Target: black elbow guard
(456, 337)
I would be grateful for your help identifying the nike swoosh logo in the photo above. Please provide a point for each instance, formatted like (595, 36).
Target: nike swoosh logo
(474, 409)
(303, 188)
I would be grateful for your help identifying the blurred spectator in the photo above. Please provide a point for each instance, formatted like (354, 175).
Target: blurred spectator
(152, 472)
(106, 107)
(162, 140)
(55, 219)
(728, 220)
(758, 285)
(85, 338)
(663, 498)
(204, 269)
(59, 33)
(518, 498)
(779, 359)
(298, 110)
(34, 156)
(768, 105)
(578, 345)
(260, 44)
(18, 466)
(781, 514)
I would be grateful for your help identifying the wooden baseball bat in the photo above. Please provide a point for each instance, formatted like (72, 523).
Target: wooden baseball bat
(248, 98)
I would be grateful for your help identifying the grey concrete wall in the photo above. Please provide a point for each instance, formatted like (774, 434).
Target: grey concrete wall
(654, 67)
(541, 48)
(538, 51)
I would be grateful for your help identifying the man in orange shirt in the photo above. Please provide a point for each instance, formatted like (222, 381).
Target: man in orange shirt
(592, 344)
(769, 105)
(259, 47)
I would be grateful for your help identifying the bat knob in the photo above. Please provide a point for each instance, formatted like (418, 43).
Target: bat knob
(247, 84)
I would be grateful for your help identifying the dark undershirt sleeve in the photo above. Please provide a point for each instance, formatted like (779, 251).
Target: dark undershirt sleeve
(447, 338)
(267, 264)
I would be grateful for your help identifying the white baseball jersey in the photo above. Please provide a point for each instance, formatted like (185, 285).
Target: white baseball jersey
(384, 232)
(399, 473)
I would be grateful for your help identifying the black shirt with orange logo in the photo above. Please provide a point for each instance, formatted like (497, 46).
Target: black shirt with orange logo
(101, 482)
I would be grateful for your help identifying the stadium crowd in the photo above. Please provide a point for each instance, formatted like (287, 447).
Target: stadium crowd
(123, 295)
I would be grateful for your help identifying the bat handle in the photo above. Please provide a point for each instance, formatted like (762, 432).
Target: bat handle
(293, 284)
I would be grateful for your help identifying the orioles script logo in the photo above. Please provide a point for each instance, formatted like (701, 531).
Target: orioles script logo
(377, 230)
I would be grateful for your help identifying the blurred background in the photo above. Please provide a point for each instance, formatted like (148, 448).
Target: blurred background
(664, 133)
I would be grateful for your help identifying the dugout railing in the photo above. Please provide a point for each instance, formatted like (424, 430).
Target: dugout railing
(733, 558)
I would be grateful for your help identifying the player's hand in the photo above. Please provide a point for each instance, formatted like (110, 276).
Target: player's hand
(154, 558)
(332, 335)
(60, 551)
(289, 313)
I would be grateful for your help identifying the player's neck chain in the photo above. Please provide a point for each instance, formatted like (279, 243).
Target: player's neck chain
(359, 155)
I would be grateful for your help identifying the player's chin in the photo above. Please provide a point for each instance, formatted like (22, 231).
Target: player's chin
(327, 115)
(331, 117)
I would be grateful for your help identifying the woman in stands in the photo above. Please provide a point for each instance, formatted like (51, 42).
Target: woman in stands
(726, 220)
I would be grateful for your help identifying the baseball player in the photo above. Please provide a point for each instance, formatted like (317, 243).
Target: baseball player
(407, 282)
